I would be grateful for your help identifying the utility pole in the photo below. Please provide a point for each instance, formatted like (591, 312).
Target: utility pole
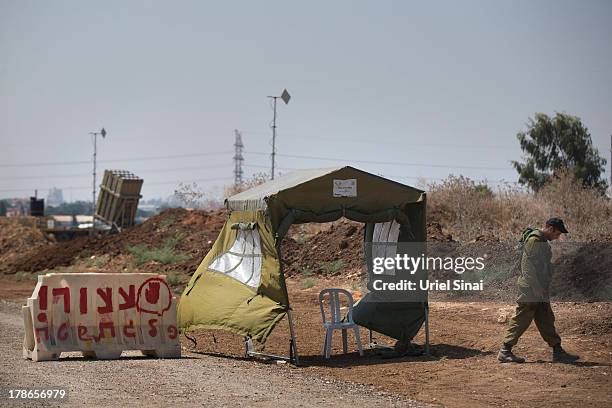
(238, 159)
(102, 133)
(285, 97)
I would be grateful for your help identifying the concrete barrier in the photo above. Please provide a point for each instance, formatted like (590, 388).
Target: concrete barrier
(100, 314)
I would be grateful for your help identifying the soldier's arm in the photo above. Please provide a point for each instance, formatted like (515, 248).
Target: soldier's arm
(532, 256)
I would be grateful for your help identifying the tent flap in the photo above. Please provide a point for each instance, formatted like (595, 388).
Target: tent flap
(218, 299)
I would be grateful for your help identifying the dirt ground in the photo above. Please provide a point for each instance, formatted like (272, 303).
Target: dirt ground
(460, 372)
(194, 380)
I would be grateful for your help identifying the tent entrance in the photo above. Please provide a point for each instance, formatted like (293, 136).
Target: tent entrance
(387, 226)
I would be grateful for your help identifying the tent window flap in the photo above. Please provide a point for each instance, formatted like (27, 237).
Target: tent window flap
(384, 241)
(243, 260)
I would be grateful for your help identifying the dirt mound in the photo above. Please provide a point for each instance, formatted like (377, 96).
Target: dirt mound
(16, 238)
(583, 271)
(337, 250)
(332, 249)
(193, 231)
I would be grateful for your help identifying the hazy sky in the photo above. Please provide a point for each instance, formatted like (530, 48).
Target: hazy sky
(399, 88)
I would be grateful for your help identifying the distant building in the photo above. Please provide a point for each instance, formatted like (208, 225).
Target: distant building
(55, 197)
(14, 212)
(63, 221)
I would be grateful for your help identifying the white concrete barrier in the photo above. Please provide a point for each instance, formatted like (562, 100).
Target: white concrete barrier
(100, 314)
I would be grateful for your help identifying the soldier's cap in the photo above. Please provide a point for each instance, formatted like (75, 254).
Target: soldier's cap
(557, 223)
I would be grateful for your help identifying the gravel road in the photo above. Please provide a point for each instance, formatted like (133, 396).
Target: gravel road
(194, 380)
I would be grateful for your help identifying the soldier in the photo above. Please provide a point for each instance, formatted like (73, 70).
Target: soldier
(533, 300)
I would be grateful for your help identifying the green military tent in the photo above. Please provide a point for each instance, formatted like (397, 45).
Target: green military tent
(240, 286)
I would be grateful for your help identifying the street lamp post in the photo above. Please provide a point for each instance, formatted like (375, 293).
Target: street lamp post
(285, 97)
(102, 133)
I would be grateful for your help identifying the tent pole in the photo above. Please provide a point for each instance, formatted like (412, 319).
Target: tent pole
(426, 329)
(293, 352)
(248, 345)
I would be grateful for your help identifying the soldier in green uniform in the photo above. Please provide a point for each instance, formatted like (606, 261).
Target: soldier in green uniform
(533, 300)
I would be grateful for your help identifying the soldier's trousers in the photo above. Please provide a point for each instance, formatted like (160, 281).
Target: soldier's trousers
(544, 318)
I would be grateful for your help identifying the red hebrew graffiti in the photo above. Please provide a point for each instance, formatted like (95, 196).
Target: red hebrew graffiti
(152, 293)
(128, 298)
(152, 288)
(104, 313)
(153, 330)
(62, 332)
(38, 330)
(130, 326)
(42, 298)
(82, 333)
(83, 300)
(103, 327)
(42, 318)
(172, 332)
(65, 292)
(107, 297)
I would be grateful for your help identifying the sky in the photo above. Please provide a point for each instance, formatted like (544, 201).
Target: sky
(413, 91)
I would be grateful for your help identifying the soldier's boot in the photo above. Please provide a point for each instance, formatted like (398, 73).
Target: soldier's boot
(562, 356)
(506, 355)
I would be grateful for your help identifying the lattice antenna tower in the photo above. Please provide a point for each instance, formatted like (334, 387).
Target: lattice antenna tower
(238, 159)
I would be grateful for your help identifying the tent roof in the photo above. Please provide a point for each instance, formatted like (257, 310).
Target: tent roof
(284, 182)
(313, 186)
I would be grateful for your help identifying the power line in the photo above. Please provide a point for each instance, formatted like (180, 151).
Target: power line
(147, 184)
(190, 181)
(157, 170)
(293, 156)
(502, 181)
(64, 163)
(258, 153)
(260, 166)
(393, 142)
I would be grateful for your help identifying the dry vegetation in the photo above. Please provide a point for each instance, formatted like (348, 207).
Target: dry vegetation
(468, 210)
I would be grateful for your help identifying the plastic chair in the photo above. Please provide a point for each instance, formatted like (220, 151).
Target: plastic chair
(336, 321)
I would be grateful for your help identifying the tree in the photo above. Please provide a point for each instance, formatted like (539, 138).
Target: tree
(189, 194)
(552, 144)
(2, 208)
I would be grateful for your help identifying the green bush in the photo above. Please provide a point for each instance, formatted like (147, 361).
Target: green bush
(175, 281)
(168, 221)
(305, 271)
(166, 254)
(97, 261)
(332, 267)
